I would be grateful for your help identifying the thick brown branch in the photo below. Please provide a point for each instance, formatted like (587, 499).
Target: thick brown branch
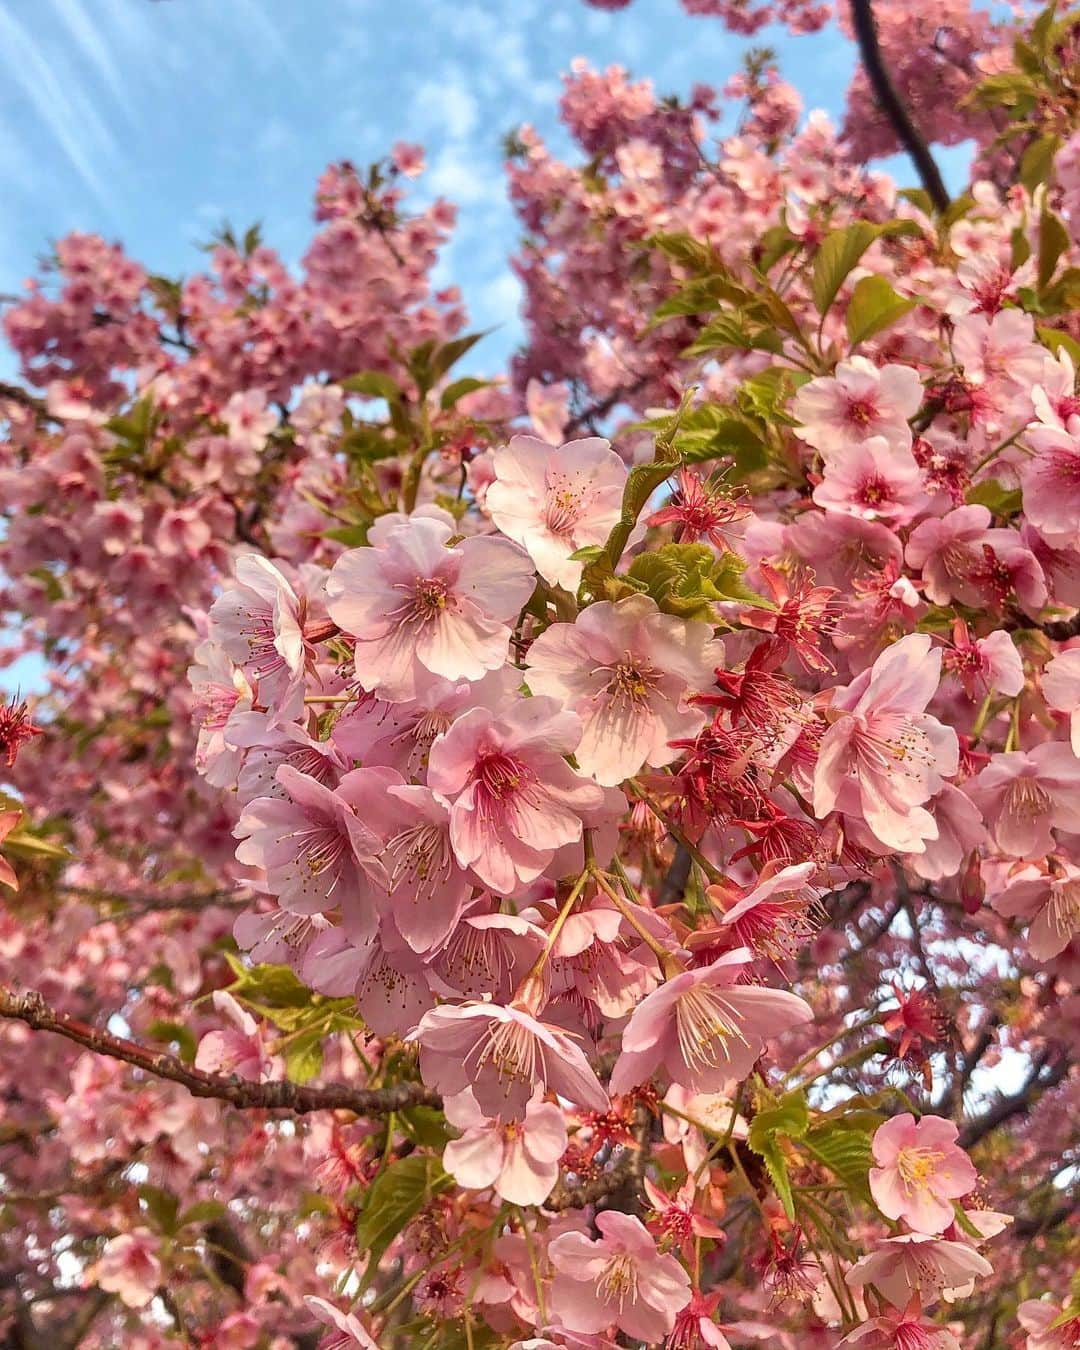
(891, 104)
(32, 1009)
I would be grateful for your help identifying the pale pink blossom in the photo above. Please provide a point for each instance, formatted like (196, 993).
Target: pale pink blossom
(259, 622)
(883, 756)
(248, 420)
(920, 1169)
(987, 665)
(129, 1267)
(519, 1159)
(555, 501)
(960, 830)
(408, 158)
(514, 798)
(617, 1279)
(239, 1048)
(947, 550)
(860, 401)
(1049, 904)
(875, 480)
(1001, 348)
(503, 1053)
(1054, 398)
(1024, 795)
(703, 1028)
(346, 1329)
(548, 407)
(1061, 688)
(420, 607)
(1050, 479)
(1045, 1329)
(918, 1263)
(221, 696)
(317, 852)
(626, 669)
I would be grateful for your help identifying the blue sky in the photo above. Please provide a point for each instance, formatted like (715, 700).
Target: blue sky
(152, 122)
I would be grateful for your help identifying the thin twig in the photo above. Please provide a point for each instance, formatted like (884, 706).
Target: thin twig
(891, 104)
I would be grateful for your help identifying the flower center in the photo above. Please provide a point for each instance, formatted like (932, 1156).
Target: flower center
(1063, 909)
(1026, 799)
(861, 412)
(618, 1280)
(422, 857)
(511, 1048)
(704, 1022)
(874, 491)
(917, 1166)
(430, 598)
(562, 510)
(499, 776)
(631, 681)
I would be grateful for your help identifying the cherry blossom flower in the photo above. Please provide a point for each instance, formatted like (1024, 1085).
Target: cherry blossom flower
(902, 1330)
(503, 1053)
(1023, 795)
(514, 798)
(860, 402)
(875, 480)
(703, 1028)
(317, 852)
(883, 756)
(989, 665)
(774, 918)
(626, 670)
(418, 604)
(238, 1049)
(920, 1169)
(1050, 480)
(699, 510)
(259, 623)
(222, 695)
(679, 1217)
(520, 1159)
(1042, 1320)
(919, 1264)
(346, 1330)
(555, 501)
(619, 1278)
(1061, 686)
(1049, 903)
(16, 728)
(129, 1267)
(248, 420)
(548, 407)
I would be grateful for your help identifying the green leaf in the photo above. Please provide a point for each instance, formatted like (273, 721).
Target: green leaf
(873, 307)
(450, 353)
(395, 1197)
(352, 536)
(732, 438)
(174, 1033)
(468, 384)
(162, 1207)
(304, 1054)
(729, 330)
(998, 499)
(789, 1116)
(1037, 161)
(840, 251)
(1058, 341)
(685, 249)
(426, 1125)
(1053, 241)
(776, 1166)
(202, 1211)
(844, 1148)
(373, 384)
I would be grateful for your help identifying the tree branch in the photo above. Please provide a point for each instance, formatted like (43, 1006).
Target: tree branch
(1019, 1103)
(32, 1009)
(891, 104)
